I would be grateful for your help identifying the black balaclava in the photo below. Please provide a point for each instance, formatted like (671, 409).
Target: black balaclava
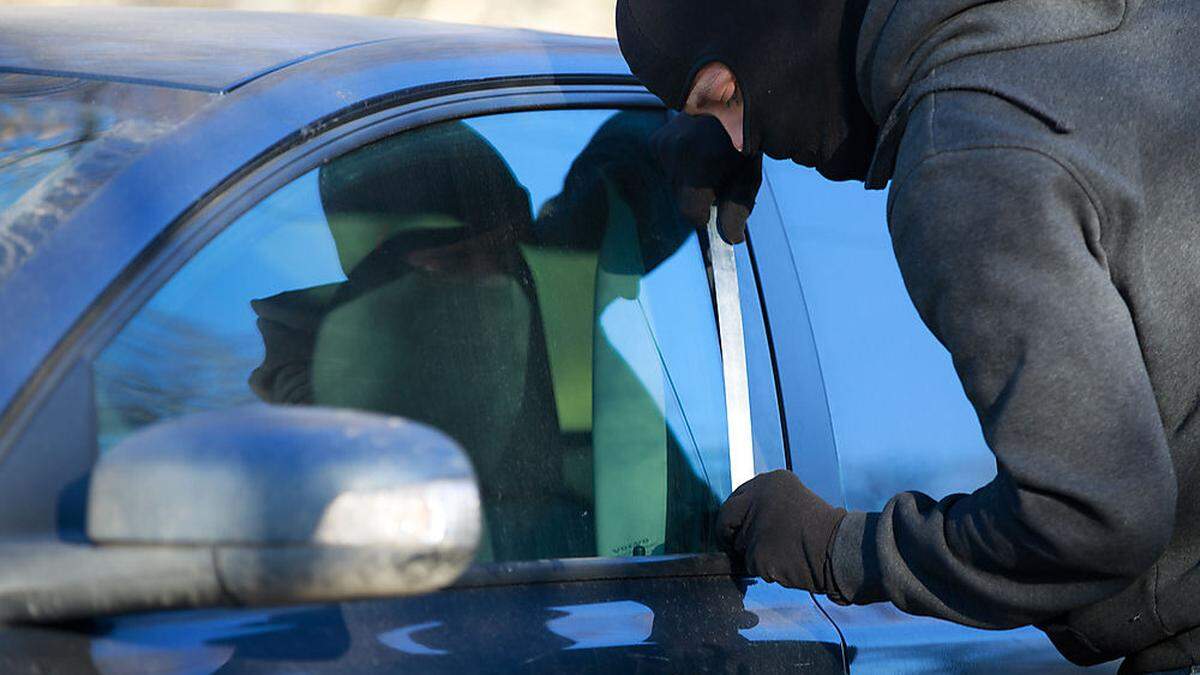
(794, 64)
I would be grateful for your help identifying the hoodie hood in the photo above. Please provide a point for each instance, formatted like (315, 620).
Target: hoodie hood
(829, 83)
(902, 42)
(909, 49)
(794, 63)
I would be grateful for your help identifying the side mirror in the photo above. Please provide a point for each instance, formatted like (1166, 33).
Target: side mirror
(255, 506)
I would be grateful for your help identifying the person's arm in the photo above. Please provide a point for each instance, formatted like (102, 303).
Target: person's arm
(1000, 251)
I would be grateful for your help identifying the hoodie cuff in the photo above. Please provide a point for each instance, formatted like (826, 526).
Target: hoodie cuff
(857, 579)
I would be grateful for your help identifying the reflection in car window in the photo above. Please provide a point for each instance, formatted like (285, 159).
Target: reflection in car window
(61, 138)
(900, 418)
(519, 281)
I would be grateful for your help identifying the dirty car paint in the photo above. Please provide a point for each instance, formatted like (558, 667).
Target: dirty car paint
(688, 624)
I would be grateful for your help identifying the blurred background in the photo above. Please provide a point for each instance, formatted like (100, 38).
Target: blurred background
(583, 17)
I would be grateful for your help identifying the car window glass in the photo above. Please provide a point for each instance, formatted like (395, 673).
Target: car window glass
(900, 418)
(519, 281)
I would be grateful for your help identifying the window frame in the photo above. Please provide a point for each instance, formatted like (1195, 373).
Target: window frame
(186, 237)
(809, 437)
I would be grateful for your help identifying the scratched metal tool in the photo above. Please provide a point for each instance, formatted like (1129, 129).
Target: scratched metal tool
(733, 352)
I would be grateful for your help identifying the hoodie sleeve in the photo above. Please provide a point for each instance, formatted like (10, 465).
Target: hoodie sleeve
(1000, 252)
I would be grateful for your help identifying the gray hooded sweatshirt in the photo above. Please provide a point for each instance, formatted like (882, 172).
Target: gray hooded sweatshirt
(1044, 161)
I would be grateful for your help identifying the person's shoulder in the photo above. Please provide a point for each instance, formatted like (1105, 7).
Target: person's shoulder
(962, 121)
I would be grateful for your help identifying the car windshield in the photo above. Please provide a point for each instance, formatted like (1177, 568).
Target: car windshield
(61, 138)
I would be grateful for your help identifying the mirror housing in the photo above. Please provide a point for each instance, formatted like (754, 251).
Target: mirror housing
(258, 505)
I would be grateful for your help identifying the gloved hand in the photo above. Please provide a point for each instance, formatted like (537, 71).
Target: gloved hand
(704, 167)
(782, 530)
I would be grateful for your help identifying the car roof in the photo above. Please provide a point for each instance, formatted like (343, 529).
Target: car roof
(206, 50)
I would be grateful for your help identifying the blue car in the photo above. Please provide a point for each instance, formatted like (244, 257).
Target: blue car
(352, 345)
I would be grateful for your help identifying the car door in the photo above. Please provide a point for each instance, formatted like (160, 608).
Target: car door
(874, 405)
(513, 273)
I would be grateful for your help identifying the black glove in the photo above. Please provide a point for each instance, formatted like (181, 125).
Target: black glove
(704, 167)
(782, 530)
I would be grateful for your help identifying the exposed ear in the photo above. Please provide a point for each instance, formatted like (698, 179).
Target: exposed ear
(725, 78)
(713, 84)
(726, 84)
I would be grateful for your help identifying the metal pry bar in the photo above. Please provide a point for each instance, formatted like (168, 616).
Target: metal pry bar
(733, 355)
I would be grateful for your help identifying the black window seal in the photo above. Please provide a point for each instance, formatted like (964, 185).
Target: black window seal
(566, 570)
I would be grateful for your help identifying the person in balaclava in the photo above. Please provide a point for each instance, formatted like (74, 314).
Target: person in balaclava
(1043, 210)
